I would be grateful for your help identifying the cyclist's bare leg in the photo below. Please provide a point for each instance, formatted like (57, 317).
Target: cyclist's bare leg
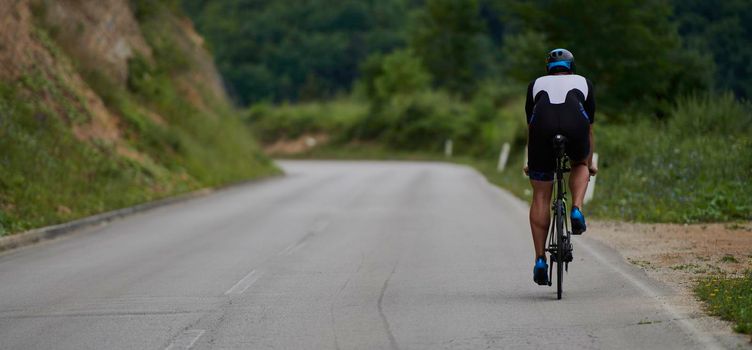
(540, 214)
(578, 181)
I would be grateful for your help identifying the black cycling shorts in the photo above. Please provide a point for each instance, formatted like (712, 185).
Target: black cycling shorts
(568, 119)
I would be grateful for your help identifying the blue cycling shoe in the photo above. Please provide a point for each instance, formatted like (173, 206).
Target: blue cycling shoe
(540, 271)
(578, 221)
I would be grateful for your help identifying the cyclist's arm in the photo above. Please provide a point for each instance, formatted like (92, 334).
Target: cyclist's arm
(529, 102)
(590, 110)
(590, 102)
(592, 146)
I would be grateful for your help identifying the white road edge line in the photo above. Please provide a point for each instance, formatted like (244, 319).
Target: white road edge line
(297, 247)
(707, 341)
(186, 339)
(243, 284)
(287, 250)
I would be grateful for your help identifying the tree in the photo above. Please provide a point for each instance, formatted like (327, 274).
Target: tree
(629, 48)
(524, 55)
(723, 31)
(450, 38)
(288, 50)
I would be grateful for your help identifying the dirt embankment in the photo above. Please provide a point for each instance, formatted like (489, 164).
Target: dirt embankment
(680, 255)
(100, 36)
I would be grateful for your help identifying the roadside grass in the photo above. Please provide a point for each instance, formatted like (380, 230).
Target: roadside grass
(728, 258)
(729, 298)
(212, 144)
(49, 176)
(673, 179)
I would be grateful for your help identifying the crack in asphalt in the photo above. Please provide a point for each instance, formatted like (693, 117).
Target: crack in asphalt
(333, 320)
(392, 341)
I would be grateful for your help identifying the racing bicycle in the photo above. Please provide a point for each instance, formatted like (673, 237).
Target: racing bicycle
(560, 238)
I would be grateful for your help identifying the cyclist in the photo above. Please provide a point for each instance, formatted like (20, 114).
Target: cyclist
(561, 102)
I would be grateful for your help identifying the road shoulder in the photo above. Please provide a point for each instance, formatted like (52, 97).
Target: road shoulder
(22, 239)
(680, 255)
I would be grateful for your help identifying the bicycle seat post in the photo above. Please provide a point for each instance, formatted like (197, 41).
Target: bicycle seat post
(559, 142)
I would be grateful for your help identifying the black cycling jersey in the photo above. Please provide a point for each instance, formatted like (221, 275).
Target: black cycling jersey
(558, 104)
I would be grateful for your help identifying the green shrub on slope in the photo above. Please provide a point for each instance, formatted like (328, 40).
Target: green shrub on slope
(172, 141)
(49, 176)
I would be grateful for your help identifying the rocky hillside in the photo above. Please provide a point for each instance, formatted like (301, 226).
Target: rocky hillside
(109, 103)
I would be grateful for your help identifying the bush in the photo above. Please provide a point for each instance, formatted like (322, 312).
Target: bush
(423, 121)
(710, 114)
(335, 118)
(693, 168)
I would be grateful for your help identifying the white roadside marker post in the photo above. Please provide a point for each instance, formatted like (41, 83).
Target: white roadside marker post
(590, 192)
(448, 148)
(503, 157)
(310, 142)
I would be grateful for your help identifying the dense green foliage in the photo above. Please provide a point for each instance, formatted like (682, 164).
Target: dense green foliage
(336, 118)
(730, 298)
(694, 167)
(451, 40)
(641, 54)
(723, 31)
(290, 50)
(629, 48)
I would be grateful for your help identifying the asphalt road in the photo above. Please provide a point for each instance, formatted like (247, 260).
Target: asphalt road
(336, 255)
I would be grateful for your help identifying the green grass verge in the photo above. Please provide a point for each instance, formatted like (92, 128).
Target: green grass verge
(729, 298)
(650, 174)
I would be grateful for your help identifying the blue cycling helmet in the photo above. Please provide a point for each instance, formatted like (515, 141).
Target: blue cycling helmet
(560, 61)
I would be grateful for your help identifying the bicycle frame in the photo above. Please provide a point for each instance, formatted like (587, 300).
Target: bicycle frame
(559, 239)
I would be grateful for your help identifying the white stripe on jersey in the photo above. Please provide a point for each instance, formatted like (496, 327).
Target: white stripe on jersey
(557, 86)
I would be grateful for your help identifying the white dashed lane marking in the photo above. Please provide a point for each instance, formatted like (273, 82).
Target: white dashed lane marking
(244, 283)
(186, 339)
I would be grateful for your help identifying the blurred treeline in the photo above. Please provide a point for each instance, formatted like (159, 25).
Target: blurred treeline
(671, 77)
(637, 51)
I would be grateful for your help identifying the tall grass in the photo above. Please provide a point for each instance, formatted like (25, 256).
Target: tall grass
(694, 167)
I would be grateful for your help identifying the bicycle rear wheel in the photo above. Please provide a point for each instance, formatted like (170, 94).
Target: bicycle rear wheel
(559, 217)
